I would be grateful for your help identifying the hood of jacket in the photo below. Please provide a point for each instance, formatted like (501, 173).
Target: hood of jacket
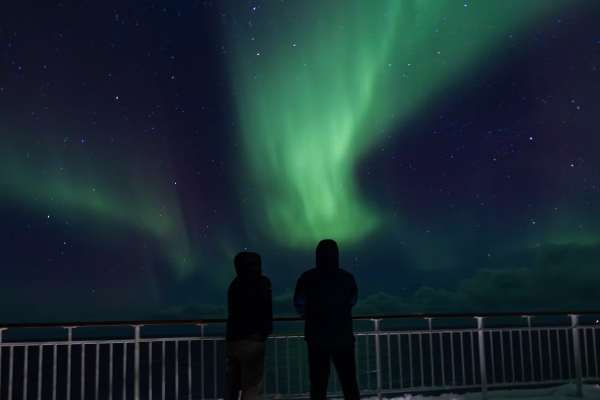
(248, 264)
(327, 254)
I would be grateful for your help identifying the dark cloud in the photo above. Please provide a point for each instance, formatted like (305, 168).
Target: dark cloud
(561, 278)
(192, 311)
(282, 307)
(381, 304)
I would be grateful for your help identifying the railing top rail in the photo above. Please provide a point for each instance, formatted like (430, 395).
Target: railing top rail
(207, 321)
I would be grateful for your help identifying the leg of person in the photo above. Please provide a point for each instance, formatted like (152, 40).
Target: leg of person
(345, 365)
(253, 369)
(233, 374)
(319, 364)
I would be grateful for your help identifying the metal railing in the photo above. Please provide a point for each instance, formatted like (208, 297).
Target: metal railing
(186, 359)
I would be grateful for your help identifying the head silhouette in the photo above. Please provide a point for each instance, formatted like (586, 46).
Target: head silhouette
(247, 263)
(327, 254)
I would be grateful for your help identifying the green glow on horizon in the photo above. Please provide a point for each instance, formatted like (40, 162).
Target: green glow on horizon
(322, 82)
(61, 181)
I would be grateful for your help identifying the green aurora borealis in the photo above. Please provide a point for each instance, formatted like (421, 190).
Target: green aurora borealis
(320, 84)
(127, 192)
(447, 146)
(318, 91)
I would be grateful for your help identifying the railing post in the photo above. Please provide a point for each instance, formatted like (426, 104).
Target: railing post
(1, 330)
(202, 361)
(378, 357)
(136, 358)
(482, 369)
(70, 339)
(577, 354)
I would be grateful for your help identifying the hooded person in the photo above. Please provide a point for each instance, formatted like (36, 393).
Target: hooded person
(324, 298)
(249, 324)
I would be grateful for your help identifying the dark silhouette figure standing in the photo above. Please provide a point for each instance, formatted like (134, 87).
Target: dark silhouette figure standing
(249, 324)
(324, 298)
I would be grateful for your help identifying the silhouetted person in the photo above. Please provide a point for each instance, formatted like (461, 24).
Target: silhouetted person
(249, 324)
(324, 298)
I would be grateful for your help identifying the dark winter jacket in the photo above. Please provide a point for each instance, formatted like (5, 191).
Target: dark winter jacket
(324, 297)
(249, 301)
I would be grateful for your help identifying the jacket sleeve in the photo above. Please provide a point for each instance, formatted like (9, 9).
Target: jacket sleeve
(353, 292)
(300, 297)
(268, 305)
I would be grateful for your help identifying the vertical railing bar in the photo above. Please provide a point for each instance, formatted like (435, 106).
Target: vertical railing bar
(410, 357)
(452, 358)
(300, 363)
(40, 363)
(389, 358)
(530, 348)
(431, 358)
(69, 351)
(502, 357)
(482, 364)
(124, 371)
(473, 356)
(512, 356)
(368, 362)
(357, 357)
(10, 371)
(287, 361)
(110, 372)
(25, 362)
(560, 368)
(1, 349)
(378, 358)
(54, 372)
(595, 353)
(189, 356)
(492, 353)
(430, 325)
(400, 360)
(357, 360)
(522, 354)
(177, 368)
(442, 357)
(568, 353)
(215, 369)
(540, 350)
(163, 370)
(150, 370)
(83, 371)
(462, 358)
(276, 353)
(97, 376)
(585, 352)
(136, 362)
(577, 355)
(421, 359)
(202, 361)
(550, 354)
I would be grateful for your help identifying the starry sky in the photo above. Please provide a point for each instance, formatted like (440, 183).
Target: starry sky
(449, 147)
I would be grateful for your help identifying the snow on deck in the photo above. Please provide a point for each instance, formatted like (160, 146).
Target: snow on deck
(565, 392)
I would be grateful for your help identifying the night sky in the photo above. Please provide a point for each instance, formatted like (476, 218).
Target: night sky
(450, 147)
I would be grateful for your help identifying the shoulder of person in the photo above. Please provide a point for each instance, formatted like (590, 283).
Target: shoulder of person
(265, 281)
(311, 275)
(346, 273)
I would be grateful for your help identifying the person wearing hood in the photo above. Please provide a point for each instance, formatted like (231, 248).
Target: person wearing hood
(324, 298)
(249, 324)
